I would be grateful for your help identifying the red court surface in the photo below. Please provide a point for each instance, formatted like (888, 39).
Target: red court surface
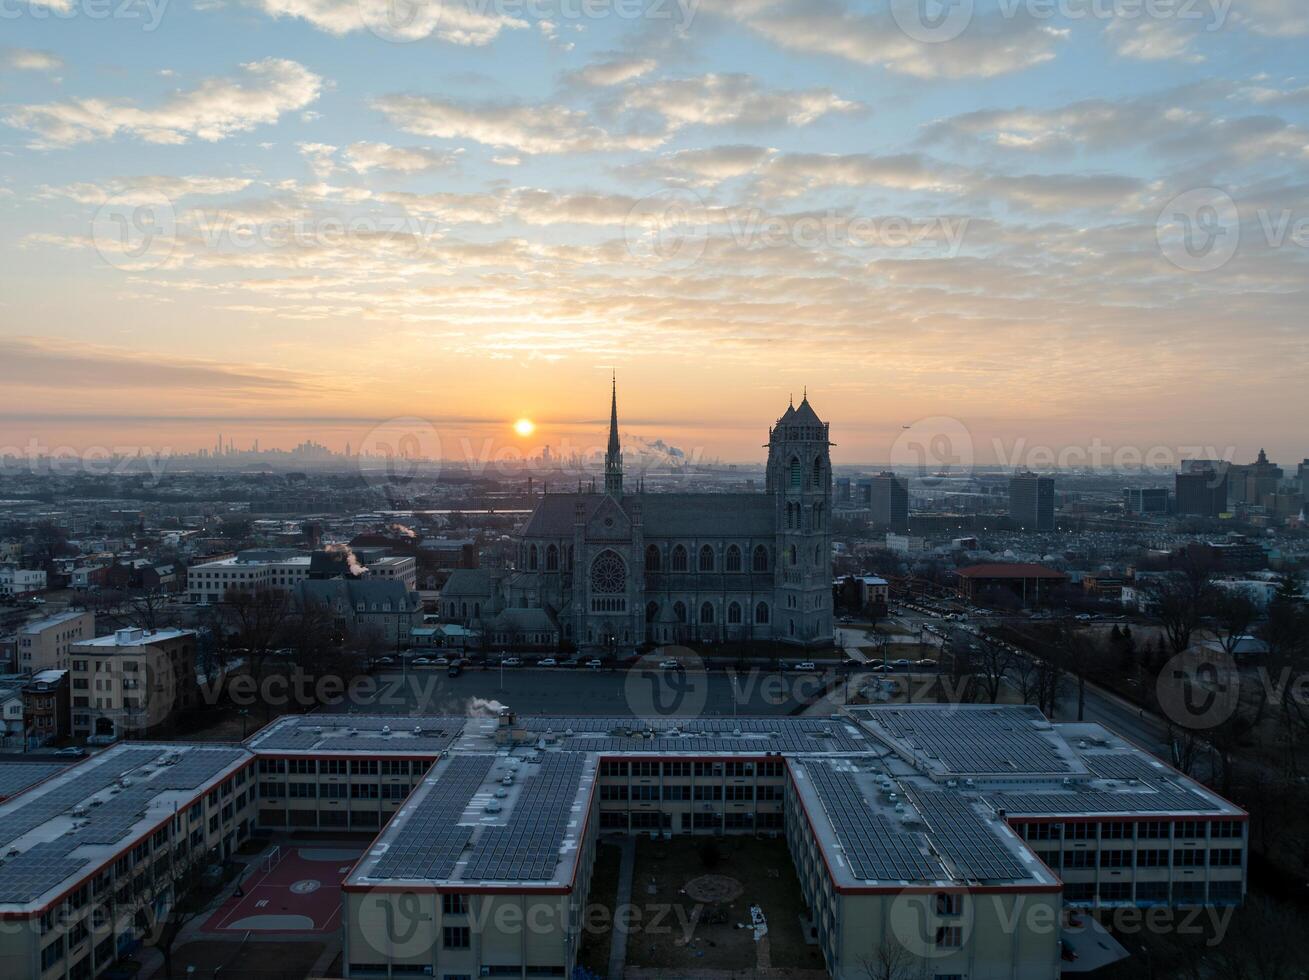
(301, 893)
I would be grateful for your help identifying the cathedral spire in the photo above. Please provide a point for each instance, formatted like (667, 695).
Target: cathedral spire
(614, 454)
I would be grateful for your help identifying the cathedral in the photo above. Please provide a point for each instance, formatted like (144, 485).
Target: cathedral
(607, 570)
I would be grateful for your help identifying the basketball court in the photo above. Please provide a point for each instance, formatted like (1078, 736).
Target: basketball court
(289, 889)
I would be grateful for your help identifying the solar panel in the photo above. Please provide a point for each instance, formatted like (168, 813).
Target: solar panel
(978, 741)
(429, 842)
(526, 848)
(969, 844)
(876, 849)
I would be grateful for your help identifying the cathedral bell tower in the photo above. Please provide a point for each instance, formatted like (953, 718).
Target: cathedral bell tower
(799, 477)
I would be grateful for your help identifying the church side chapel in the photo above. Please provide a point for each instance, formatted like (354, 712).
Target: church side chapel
(606, 570)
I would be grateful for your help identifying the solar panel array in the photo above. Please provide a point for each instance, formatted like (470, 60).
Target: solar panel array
(968, 843)
(1163, 799)
(527, 847)
(875, 849)
(791, 735)
(429, 842)
(1121, 765)
(329, 733)
(18, 776)
(43, 866)
(976, 740)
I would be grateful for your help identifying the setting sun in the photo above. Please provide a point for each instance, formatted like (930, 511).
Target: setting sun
(524, 427)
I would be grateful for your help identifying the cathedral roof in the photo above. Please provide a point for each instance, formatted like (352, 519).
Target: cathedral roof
(664, 515)
(805, 414)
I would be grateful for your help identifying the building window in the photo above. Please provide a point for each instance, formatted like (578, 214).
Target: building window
(679, 563)
(734, 614)
(706, 559)
(761, 613)
(454, 904)
(455, 937)
(706, 613)
(652, 562)
(797, 475)
(552, 559)
(608, 574)
(679, 612)
(760, 560)
(732, 561)
(531, 558)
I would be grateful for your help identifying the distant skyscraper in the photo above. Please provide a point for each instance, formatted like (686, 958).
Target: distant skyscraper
(888, 499)
(1202, 492)
(1031, 501)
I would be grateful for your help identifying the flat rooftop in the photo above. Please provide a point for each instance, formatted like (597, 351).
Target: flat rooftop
(63, 829)
(323, 734)
(49, 622)
(132, 638)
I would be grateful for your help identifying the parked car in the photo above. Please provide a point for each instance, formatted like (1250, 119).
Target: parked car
(547, 662)
(902, 663)
(512, 662)
(571, 662)
(454, 670)
(440, 661)
(422, 662)
(807, 665)
(670, 665)
(595, 663)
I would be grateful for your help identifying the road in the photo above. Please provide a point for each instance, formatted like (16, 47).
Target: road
(562, 691)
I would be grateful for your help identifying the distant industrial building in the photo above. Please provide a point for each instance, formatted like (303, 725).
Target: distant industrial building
(1146, 501)
(1031, 501)
(1202, 493)
(1031, 584)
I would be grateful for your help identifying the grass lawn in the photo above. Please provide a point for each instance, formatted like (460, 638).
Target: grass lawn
(593, 953)
(764, 869)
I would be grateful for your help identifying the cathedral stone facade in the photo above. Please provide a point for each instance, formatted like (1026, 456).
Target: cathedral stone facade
(609, 570)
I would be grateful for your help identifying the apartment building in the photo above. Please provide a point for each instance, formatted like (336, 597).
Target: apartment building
(16, 581)
(92, 851)
(268, 568)
(131, 681)
(46, 644)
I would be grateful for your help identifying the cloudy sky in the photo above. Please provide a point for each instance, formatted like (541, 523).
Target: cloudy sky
(1048, 222)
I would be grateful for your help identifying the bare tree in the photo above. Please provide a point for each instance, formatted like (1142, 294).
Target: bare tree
(891, 961)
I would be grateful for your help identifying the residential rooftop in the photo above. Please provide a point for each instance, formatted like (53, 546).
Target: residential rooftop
(132, 638)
